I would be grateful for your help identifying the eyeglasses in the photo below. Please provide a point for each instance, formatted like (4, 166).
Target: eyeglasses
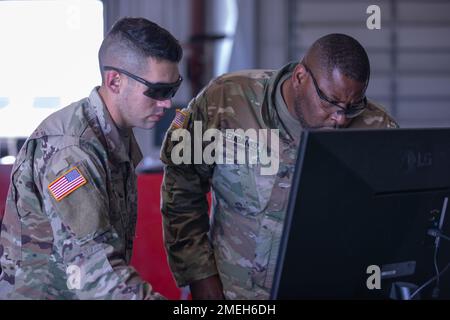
(158, 91)
(351, 110)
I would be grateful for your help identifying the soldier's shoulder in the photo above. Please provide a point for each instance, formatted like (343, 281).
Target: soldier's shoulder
(66, 128)
(238, 82)
(375, 116)
(69, 121)
(247, 75)
(244, 78)
(244, 85)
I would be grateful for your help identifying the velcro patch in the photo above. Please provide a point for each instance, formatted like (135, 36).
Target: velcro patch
(181, 119)
(66, 184)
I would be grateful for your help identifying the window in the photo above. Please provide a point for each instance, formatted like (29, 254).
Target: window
(48, 59)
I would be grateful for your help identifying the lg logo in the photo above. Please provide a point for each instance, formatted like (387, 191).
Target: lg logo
(374, 20)
(413, 160)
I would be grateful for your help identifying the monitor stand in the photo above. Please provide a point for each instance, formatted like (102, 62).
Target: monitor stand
(403, 291)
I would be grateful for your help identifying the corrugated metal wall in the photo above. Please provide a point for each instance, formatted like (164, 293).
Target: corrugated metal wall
(410, 55)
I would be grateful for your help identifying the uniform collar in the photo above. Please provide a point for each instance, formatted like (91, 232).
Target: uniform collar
(269, 111)
(114, 140)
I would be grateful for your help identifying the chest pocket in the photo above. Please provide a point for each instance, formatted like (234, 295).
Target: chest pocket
(242, 187)
(271, 228)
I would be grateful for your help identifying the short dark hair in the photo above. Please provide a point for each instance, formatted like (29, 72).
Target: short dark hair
(132, 40)
(342, 52)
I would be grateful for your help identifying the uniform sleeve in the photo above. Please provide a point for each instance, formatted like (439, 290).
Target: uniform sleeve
(185, 207)
(90, 248)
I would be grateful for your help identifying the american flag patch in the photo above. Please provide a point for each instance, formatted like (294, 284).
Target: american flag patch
(180, 119)
(66, 184)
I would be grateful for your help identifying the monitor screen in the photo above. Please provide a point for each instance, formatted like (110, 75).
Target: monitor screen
(362, 220)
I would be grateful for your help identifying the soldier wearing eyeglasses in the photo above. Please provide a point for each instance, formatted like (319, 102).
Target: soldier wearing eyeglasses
(68, 228)
(233, 253)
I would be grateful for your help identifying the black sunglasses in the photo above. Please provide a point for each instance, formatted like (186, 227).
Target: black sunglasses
(158, 91)
(351, 110)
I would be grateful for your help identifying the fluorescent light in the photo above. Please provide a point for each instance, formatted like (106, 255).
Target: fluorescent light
(7, 160)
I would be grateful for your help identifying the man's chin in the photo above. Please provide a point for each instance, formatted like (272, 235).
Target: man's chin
(146, 125)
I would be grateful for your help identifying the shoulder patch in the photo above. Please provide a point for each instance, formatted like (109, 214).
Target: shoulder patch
(181, 119)
(67, 183)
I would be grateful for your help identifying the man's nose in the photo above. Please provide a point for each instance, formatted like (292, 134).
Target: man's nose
(164, 103)
(339, 118)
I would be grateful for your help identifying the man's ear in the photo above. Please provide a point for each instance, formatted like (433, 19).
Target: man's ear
(298, 75)
(113, 81)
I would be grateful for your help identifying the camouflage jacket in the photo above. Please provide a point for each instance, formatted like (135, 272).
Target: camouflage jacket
(73, 240)
(240, 243)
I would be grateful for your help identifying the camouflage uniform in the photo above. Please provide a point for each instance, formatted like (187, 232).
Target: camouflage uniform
(90, 231)
(248, 208)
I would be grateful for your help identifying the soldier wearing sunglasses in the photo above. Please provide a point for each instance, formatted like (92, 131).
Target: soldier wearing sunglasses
(234, 255)
(68, 228)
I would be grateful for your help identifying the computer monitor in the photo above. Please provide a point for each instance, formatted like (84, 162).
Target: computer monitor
(363, 199)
